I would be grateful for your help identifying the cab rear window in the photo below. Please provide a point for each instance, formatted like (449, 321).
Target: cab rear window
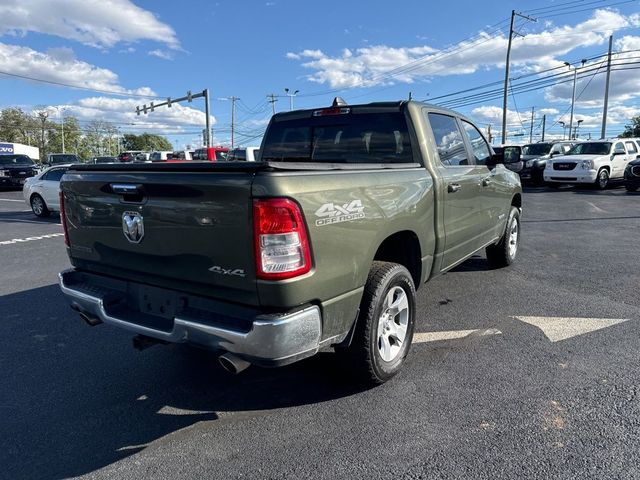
(349, 138)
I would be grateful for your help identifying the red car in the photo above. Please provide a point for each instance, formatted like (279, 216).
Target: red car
(212, 154)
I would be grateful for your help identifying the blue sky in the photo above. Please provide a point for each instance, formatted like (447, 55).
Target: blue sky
(361, 50)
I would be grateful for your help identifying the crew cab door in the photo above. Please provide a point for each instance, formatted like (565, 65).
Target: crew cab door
(461, 190)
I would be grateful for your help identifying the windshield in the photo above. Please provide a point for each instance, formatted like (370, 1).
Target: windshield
(596, 148)
(63, 159)
(15, 160)
(536, 149)
(343, 138)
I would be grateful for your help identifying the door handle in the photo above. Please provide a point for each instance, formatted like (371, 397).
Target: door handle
(453, 187)
(486, 181)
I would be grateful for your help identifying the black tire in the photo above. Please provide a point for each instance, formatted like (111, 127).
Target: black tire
(503, 253)
(631, 188)
(38, 207)
(364, 354)
(553, 185)
(602, 179)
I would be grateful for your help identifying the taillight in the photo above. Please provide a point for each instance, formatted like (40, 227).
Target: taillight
(63, 220)
(281, 243)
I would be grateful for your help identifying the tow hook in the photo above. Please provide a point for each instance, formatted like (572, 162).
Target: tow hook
(142, 342)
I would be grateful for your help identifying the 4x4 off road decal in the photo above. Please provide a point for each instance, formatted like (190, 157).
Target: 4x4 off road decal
(331, 213)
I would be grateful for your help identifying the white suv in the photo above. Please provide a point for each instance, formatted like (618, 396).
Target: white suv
(594, 162)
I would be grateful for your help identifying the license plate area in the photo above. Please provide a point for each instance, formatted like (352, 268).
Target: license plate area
(155, 301)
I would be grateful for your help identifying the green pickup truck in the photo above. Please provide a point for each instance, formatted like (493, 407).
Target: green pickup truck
(320, 245)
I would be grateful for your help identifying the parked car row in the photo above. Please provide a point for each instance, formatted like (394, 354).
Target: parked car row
(593, 162)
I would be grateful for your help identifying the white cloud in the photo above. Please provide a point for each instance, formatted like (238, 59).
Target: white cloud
(98, 23)
(493, 115)
(122, 112)
(163, 54)
(60, 65)
(367, 66)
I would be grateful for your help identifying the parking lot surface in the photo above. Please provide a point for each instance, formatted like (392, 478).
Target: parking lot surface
(525, 372)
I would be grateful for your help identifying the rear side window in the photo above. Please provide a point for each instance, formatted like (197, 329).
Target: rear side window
(346, 138)
(479, 146)
(631, 147)
(54, 175)
(448, 140)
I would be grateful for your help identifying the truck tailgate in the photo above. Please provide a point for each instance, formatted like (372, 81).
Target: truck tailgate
(171, 227)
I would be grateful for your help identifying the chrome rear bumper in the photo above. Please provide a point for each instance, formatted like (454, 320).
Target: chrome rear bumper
(270, 340)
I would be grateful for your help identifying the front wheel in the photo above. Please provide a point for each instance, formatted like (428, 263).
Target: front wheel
(602, 180)
(38, 207)
(384, 329)
(503, 253)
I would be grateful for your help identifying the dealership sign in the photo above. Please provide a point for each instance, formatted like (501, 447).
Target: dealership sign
(6, 148)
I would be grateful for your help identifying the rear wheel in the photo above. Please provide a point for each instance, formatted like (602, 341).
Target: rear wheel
(38, 206)
(384, 329)
(504, 252)
(602, 180)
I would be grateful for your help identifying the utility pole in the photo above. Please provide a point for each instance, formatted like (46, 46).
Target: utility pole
(233, 100)
(489, 134)
(606, 91)
(531, 130)
(506, 72)
(544, 125)
(42, 116)
(272, 101)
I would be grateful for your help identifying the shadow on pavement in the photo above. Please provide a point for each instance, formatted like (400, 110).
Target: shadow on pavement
(27, 217)
(75, 398)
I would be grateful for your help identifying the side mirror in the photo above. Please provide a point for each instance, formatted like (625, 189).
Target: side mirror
(619, 151)
(512, 154)
(495, 159)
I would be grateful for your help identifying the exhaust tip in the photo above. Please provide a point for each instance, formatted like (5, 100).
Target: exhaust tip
(232, 363)
(91, 320)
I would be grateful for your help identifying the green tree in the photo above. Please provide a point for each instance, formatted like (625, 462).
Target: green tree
(145, 141)
(632, 130)
(18, 126)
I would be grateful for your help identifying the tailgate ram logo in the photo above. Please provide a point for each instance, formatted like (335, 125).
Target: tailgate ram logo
(133, 226)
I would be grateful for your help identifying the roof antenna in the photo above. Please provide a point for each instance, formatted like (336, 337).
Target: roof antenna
(410, 96)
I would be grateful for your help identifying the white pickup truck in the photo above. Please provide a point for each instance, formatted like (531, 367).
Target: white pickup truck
(593, 162)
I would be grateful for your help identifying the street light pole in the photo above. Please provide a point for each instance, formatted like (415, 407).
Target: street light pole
(290, 95)
(573, 95)
(563, 128)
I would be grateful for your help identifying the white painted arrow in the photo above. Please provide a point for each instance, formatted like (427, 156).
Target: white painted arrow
(452, 335)
(557, 329)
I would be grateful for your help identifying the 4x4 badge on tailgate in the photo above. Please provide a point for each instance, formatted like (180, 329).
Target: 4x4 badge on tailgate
(133, 226)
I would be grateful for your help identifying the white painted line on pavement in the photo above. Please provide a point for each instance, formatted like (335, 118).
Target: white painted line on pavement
(425, 337)
(30, 239)
(557, 329)
(10, 200)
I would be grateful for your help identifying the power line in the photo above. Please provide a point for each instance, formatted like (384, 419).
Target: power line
(62, 84)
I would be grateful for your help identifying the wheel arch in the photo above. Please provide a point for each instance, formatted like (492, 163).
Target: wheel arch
(516, 201)
(402, 247)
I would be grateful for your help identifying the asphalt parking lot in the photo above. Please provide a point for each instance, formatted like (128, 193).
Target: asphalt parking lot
(530, 371)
